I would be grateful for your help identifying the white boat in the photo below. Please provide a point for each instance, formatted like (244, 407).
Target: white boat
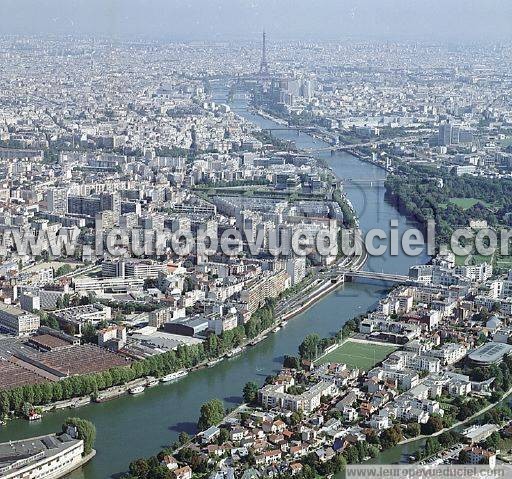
(214, 362)
(136, 390)
(151, 382)
(235, 352)
(258, 340)
(173, 376)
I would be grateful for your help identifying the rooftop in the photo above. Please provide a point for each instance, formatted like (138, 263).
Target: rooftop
(17, 454)
(490, 353)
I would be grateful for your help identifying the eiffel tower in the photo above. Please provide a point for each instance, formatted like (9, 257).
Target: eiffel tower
(264, 69)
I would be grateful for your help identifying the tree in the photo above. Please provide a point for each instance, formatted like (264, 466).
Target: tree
(296, 418)
(372, 437)
(183, 438)
(251, 392)
(15, 398)
(413, 429)
(391, 437)
(212, 345)
(48, 319)
(432, 446)
(308, 472)
(308, 349)
(89, 334)
(338, 463)
(188, 284)
(446, 439)
(139, 469)
(464, 457)
(62, 270)
(434, 424)
(27, 408)
(373, 451)
(65, 300)
(223, 436)
(493, 441)
(212, 413)
(291, 362)
(86, 431)
(352, 455)
(4, 404)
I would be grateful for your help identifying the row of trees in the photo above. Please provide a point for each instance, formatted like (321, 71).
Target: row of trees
(349, 219)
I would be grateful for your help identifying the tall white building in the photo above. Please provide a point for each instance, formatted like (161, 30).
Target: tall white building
(296, 269)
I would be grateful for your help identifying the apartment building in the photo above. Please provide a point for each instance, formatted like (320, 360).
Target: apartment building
(16, 321)
(275, 396)
(270, 285)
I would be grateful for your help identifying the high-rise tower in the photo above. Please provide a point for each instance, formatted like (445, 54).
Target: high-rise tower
(264, 69)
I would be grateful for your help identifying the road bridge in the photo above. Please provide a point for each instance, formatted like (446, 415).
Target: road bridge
(367, 144)
(364, 182)
(373, 277)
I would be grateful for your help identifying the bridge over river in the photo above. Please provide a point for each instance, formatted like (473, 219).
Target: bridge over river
(364, 181)
(371, 277)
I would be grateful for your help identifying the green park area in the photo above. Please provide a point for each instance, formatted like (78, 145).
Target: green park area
(466, 203)
(358, 355)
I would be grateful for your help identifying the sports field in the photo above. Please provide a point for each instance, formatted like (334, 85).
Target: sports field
(358, 355)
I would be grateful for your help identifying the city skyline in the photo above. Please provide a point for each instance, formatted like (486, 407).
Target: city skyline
(433, 20)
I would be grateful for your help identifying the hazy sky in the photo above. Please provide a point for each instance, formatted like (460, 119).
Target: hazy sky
(459, 20)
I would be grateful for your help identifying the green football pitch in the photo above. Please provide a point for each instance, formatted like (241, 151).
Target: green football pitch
(358, 355)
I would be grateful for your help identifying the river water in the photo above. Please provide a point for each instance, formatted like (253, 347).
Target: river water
(133, 427)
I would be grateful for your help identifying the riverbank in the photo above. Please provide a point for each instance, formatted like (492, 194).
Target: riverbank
(320, 291)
